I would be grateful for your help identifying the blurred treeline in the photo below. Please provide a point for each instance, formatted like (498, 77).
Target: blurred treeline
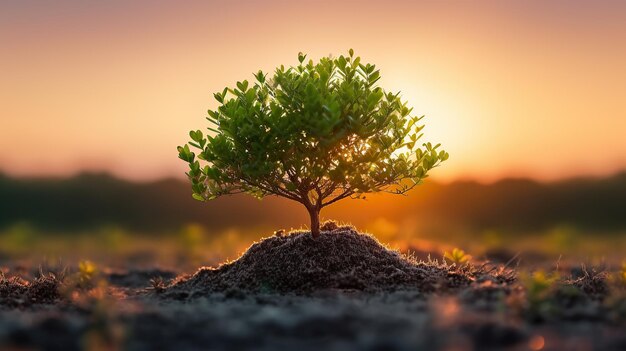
(513, 205)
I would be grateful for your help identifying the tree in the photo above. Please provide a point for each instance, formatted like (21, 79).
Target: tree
(315, 133)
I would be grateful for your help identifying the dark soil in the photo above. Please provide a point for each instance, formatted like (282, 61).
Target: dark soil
(343, 291)
(138, 278)
(15, 291)
(340, 259)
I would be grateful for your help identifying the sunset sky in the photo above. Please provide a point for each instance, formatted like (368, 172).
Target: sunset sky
(531, 88)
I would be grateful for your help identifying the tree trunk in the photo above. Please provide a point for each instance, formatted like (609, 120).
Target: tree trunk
(315, 222)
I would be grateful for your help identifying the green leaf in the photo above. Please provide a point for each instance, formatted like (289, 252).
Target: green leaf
(219, 97)
(243, 86)
(196, 135)
(185, 154)
(198, 197)
(341, 63)
(260, 77)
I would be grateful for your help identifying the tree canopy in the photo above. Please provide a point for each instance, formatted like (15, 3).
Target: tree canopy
(315, 133)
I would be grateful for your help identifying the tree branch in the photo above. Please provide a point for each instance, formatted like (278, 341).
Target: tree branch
(343, 195)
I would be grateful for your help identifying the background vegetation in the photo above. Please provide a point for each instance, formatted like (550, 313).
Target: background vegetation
(100, 216)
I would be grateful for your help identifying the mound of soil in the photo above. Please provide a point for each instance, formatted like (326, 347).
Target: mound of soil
(296, 263)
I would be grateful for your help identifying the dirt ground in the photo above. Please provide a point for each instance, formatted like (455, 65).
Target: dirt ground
(423, 306)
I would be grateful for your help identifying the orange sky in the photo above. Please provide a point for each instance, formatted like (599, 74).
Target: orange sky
(526, 89)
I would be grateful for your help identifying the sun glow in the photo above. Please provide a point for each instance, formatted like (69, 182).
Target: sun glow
(495, 88)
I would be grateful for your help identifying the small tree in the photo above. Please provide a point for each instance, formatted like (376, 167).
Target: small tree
(315, 133)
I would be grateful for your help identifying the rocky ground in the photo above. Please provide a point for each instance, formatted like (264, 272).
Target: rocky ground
(343, 291)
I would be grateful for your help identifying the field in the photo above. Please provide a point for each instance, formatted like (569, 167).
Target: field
(98, 263)
(110, 290)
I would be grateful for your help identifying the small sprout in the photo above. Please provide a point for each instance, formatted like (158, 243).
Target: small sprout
(457, 256)
(541, 289)
(279, 233)
(87, 272)
(538, 285)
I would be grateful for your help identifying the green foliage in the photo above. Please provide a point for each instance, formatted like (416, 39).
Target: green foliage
(191, 240)
(457, 256)
(540, 288)
(314, 133)
(87, 272)
(538, 285)
(19, 237)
